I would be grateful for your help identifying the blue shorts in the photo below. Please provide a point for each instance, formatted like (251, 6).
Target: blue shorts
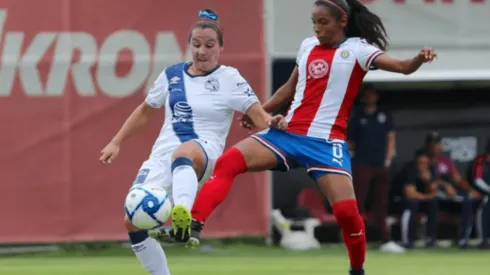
(318, 156)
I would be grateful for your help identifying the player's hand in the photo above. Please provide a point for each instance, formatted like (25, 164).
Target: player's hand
(425, 175)
(246, 123)
(475, 195)
(109, 153)
(278, 121)
(432, 189)
(451, 191)
(427, 55)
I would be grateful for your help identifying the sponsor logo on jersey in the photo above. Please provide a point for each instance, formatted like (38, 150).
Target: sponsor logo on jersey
(182, 112)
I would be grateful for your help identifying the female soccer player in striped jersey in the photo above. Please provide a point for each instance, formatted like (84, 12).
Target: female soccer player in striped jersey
(199, 99)
(349, 41)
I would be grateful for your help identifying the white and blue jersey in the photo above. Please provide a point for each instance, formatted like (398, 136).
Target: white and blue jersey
(197, 108)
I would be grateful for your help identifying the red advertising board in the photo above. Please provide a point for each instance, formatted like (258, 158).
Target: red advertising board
(71, 72)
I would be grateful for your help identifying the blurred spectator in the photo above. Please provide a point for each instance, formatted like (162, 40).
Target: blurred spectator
(372, 140)
(454, 195)
(419, 193)
(480, 180)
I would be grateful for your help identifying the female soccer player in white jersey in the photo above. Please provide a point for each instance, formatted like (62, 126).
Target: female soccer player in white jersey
(330, 69)
(199, 99)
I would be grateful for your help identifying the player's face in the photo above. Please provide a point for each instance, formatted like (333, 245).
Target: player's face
(422, 163)
(328, 29)
(205, 49)
(434, 148)
(370, 97)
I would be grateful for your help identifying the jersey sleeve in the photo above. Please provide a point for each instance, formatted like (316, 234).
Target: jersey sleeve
(242, 96)
(157, 95)
(366, 53)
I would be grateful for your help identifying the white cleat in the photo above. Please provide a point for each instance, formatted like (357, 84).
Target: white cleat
(392, 247)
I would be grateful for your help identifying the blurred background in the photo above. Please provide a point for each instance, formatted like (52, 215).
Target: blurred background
(71, 71)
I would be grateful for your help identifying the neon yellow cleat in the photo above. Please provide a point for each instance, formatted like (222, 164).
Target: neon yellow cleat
(184, 228)
(181, 222)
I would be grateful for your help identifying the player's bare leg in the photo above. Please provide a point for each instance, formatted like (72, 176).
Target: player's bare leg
(247, 155)
(339, 191)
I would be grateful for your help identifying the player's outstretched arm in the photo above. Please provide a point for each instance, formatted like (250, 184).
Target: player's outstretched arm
(139, 118)
(407, 66)
(261, 119)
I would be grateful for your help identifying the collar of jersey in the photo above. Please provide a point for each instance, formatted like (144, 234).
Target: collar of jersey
(188, 64)
(337, 45)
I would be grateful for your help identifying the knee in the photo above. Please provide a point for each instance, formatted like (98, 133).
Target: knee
(187, 150)
(226, 164)
(346, 210)
(182, 162)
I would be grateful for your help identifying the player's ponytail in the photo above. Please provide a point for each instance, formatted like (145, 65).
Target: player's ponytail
(363, 23)
(208, 19)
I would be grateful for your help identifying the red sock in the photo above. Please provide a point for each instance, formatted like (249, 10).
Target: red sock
(214, 191)
(353, 231)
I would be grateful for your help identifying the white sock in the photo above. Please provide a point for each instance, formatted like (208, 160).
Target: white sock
(151, 255)
(184, 185)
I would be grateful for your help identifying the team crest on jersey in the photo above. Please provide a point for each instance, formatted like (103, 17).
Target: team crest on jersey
(344, 54)
(212, 84)
(318, 68)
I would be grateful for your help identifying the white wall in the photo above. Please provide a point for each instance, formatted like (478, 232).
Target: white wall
(460, 32)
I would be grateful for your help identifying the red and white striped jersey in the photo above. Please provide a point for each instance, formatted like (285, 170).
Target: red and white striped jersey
(329, 80)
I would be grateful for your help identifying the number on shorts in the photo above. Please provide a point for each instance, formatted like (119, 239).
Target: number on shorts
(337, 151)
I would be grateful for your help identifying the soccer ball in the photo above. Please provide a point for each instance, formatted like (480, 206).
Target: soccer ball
(147, 207)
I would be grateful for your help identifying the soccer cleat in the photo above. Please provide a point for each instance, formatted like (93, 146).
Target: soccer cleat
(181, 222)
(356, 271)
(192, 239)
(195, 237)
(391, 247)
(161, 234)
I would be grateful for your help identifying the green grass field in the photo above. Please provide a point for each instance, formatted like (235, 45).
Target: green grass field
(241, 259)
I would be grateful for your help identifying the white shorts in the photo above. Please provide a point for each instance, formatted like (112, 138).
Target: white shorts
(158, 171)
